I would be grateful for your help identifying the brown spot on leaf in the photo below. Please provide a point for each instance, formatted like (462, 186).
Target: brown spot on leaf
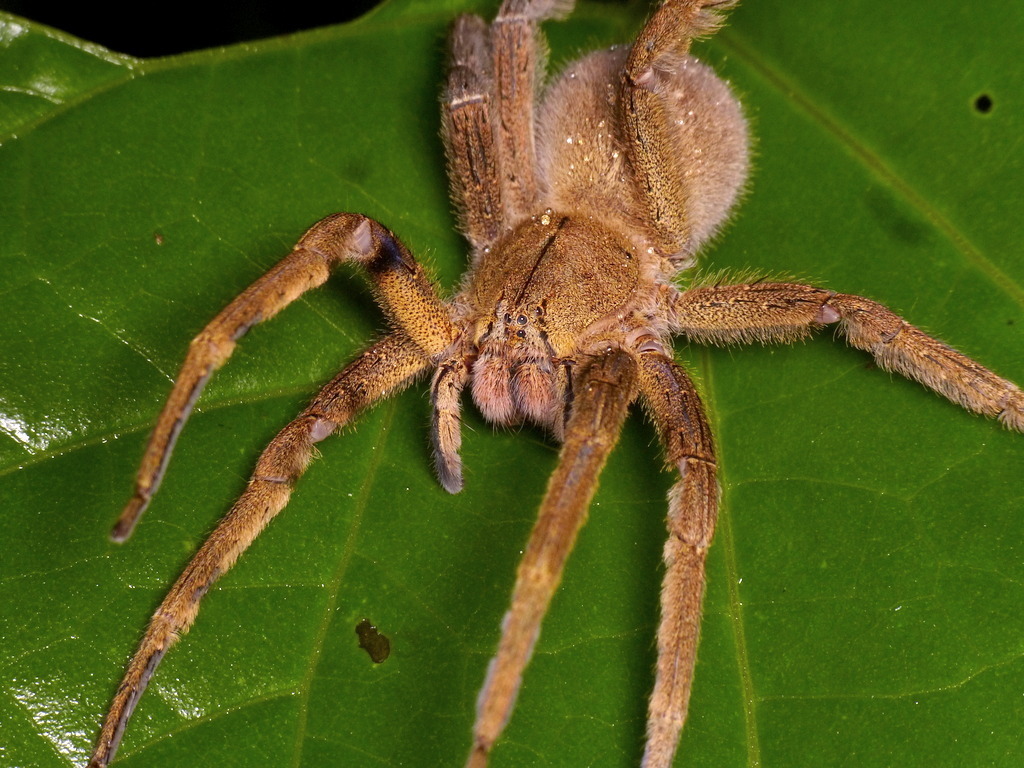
(373, 642)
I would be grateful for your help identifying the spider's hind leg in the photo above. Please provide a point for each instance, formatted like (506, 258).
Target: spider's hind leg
(468, 133)
(682, 128)
(519, 52)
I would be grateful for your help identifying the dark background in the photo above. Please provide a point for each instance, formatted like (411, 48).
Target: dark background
(162, 29)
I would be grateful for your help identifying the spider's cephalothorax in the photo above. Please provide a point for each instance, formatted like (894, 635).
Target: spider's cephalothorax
(536, 306)
(581, 202)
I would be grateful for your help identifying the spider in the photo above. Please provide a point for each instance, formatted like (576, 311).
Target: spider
(581, 205)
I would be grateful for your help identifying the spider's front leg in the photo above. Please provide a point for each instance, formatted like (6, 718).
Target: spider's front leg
(781, 312)
(676, 410)
(401, 286)
(604, 390)
(387, 366)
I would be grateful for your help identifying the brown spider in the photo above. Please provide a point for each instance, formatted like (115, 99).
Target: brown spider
(580, 207)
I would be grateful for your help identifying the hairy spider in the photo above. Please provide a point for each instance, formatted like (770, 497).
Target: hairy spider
(580, 206)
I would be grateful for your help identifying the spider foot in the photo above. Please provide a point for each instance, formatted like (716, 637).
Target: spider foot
(125, 524)
(478, 757)
(1012, 413)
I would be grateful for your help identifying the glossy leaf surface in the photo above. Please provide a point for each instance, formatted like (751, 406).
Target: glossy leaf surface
(865, 585)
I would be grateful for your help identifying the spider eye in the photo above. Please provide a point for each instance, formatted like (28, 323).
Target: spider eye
(521, 319)
(508, 318)
(521, 333)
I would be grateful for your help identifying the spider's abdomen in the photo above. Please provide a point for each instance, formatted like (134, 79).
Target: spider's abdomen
(583, 157)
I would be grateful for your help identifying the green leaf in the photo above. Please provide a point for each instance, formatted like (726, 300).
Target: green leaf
(865, 585)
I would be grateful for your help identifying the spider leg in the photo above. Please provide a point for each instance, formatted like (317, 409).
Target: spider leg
(646, 88)
(769, 312)
(445, 392)
(390, 364)
(519, 51)
(676, 409)
(468, 134)
(399, 282)
(603, 392)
